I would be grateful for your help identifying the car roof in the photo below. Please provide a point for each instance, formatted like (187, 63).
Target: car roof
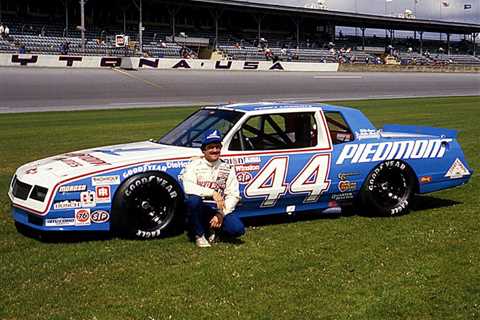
(279, 106)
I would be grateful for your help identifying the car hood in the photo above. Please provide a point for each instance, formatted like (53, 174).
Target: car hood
(79, 163)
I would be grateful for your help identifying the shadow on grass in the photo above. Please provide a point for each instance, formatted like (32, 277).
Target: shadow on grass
(422, 203)
(419, 203)
(62, 237)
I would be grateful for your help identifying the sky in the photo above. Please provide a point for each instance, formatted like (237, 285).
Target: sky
(423, 9)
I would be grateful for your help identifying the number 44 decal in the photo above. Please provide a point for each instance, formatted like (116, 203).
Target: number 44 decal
(270, 181)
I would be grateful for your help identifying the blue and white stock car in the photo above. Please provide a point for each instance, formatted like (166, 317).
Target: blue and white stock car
(289, 158)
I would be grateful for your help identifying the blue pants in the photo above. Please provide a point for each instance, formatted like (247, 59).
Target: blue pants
(199, 215)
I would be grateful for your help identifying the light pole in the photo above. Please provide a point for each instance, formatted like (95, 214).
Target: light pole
(82, 22)
(140, 25)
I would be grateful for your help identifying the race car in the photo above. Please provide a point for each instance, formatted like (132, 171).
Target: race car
(289, 158)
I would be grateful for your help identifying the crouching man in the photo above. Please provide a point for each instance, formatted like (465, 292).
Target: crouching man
(206, 178)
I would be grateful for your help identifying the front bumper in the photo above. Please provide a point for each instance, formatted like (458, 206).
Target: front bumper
(53, 223)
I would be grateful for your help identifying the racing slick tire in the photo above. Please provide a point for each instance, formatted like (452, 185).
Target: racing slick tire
(388, 189)
(147, 206)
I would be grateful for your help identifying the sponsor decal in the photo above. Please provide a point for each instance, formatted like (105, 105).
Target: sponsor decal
(102, 194)
(31, 171)
(74, 188)
(67, 204)
(148, 167)
(342, 196)
(367, 134)
(345, 175)
(82, 217)
(425, 179)
(87, 198)
(457, 170)
(244, 177)
(71, 163)
(409, 149)
(247, 167)
(99, 216)
(59, 222)
(345, 186)
(176, 164)
(86, 157)
(105, 180)
(242, 160)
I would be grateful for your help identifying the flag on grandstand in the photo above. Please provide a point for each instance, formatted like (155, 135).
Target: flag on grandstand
(446, 4)
(467, 6)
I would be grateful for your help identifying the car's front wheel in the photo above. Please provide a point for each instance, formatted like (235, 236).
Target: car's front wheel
(388, 189)
(146, 206)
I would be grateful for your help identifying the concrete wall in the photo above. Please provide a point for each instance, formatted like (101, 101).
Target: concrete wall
(54, 61)
(408, 68)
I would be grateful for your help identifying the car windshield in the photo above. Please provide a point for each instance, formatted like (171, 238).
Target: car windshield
(190, 132)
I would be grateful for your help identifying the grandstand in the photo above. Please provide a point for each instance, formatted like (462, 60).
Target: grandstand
(247, 32)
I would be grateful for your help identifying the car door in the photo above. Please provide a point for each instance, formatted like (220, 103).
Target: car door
(282, 162)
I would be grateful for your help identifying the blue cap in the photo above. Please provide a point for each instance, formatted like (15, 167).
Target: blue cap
(212, 136)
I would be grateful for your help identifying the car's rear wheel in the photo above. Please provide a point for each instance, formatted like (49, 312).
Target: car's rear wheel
(388, 189)
(147, 206)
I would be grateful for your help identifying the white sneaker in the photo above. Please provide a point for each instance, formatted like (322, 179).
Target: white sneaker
(201, 242)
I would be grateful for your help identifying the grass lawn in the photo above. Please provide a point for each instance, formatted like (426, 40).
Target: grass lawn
(425, 265)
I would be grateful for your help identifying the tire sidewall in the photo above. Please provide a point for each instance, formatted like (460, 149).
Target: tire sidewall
(123, 218)
(370, 202)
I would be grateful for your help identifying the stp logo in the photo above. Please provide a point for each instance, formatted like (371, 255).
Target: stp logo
(102, 193)
(244, 177)
(100, 216)
(82, 216)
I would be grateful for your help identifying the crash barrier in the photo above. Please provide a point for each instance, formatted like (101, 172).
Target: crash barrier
(55, 61)
(407, 68)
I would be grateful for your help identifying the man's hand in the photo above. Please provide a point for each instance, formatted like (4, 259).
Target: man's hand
(219, 200)
(216, 221)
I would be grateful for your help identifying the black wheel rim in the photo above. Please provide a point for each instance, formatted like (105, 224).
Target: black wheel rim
(390, 188)
(150, 208)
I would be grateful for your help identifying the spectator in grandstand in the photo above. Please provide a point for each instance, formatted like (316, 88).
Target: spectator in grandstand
(237, 45)
(2, 30)
(22, 49)
(268, 54)
(289, 55)
(183, 52)
(263, 43)
(65, 47)
(6, 32)
(163, 44)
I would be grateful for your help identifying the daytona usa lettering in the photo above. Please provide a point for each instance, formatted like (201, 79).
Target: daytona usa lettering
(410, 149)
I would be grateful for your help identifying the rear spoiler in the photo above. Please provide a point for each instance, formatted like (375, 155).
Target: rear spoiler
(441, 132)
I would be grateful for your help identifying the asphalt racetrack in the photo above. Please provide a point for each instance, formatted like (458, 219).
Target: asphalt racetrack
(27, 90)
